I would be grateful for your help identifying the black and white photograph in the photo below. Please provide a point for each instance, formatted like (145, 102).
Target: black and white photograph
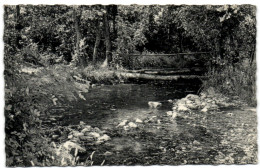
(129, 85)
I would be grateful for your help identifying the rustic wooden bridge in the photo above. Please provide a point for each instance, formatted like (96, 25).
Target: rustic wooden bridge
(193, 70)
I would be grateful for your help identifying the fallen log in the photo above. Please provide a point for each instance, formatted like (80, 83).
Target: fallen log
(158, 77)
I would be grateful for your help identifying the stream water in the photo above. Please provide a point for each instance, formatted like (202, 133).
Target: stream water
(227, 136)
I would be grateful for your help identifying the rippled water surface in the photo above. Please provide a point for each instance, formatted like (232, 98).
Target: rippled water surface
(223, 137)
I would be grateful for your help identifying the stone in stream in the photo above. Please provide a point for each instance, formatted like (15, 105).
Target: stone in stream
(170, 101)
(82, 123)
(77, 134)
(169, 113)
(183, 108)
(151, 119)
(196, 142)
(174, 114)
(94, 134)
(153, 104)
(138, 120)
(123, 123)
(102, 139)
(86, 129)
(132, 125)
(192, 97)
(70, 136)
(87, 138)
(205, 109)
(69, 145)
(55, 136)
(126, 128)
(107, 153)
(191, 106)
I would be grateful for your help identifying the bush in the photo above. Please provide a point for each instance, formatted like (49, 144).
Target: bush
(101, 75)
(29, 93)
(238, 80)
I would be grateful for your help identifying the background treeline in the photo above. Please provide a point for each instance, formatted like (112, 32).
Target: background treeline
(87, 34)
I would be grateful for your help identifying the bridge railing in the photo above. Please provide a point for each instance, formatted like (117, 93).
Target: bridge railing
(168, 61)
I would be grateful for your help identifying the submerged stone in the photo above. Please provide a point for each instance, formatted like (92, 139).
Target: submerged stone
(154, 104)
(205, 109)
(183, 108)
(107, 153)
(70, 136)
(104, 137)
(70, 145)
(138, 120)
(123, 123)
(132, 125)
(86, 129)
(94, 134)
(87, 138)
(192, 97)
(192, 106)
(174, 114)
(169, 113)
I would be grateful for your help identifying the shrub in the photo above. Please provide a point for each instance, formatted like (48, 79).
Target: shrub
(238, 80)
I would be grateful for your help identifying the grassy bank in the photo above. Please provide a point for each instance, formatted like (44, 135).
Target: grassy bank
(238, 80)
(31, 92)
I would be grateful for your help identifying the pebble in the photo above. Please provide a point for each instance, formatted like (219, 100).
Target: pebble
(123, 123)
(169, 113)
(132, 125)
(138, 120)
(94, 134)
(107, 153)
(205, 109)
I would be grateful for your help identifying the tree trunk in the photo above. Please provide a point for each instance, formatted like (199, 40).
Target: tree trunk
(115, 11)
(107, 39)
(97, 42)
(18, 27)
(252, 53)
(80, 60)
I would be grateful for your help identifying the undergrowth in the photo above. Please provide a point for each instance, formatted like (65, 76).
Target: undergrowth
(238, 80)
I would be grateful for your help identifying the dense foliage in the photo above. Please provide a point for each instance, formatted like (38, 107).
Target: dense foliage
(69, 41)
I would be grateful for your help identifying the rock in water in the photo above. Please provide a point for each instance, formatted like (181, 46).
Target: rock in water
(70, 136)
(154, 104)
(126, 127)
(170, 101)
(205, 109)
(169, 113)
(182, 108)
(94, 134)
(174, 114)
(105, 137)
(138, 120)
(123, 123)
(192, 106)
(192, 97)
(55, 136)
(87, 128)
(70, 145)
(132, 125)
(81, 123)
(107, 153)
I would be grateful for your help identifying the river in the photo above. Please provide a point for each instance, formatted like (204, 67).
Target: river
(224, 137)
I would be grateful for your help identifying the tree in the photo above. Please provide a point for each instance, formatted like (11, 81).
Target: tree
(107, 38)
